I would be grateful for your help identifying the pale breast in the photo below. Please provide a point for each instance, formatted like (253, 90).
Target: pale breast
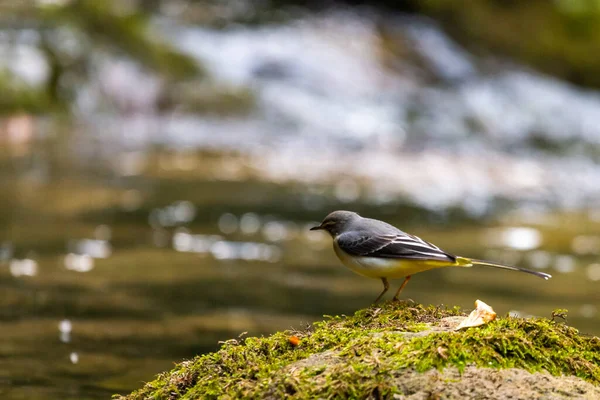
(375, 267)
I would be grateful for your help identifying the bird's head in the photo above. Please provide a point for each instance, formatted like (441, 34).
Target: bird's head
(336, 222)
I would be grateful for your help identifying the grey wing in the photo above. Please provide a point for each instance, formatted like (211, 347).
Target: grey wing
(401, 245)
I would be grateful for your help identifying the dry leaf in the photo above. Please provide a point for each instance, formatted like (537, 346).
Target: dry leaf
(482, 314)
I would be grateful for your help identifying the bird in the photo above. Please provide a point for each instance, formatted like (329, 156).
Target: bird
(376, 249)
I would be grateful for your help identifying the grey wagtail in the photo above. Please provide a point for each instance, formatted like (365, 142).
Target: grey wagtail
(376, 249)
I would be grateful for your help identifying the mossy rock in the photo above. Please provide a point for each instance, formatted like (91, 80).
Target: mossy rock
(399, 350)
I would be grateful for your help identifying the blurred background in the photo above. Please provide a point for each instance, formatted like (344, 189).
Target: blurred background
(161, 162)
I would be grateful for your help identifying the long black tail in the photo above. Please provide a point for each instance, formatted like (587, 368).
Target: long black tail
(509, 267)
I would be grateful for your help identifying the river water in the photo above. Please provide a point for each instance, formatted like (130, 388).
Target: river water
(134, 239)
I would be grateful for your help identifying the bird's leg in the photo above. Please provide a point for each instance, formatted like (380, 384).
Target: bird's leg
(401, 287)
(386, 286)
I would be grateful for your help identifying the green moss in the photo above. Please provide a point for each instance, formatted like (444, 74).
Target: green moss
(358, 356)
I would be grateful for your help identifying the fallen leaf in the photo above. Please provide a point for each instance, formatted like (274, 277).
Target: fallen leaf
(482, 314)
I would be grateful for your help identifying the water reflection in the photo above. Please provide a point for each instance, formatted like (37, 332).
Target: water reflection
(564, 264)
(24, 267)
(186, 242)
(518, 238)
(539, 259)
(593, 272)
(225, 250)
(65, 327)
(588, 310)
(180, 212)
(584, 244)
(228, 223)
(79, 262)
(250, 223)
(94, 248)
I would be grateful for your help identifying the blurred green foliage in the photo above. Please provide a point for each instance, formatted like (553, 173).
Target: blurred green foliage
(103, 23)
(17, 96)
(557, 37)
(71, 34)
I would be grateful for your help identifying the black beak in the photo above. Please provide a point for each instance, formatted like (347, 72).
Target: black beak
(316, 228)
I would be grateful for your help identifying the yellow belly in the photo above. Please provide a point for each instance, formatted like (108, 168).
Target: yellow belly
(374, 267)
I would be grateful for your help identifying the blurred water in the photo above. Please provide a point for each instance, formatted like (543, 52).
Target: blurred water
(447, 130)
(131, 239)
